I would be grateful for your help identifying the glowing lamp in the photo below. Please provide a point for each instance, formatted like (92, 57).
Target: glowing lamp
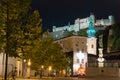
(42, 66)
(29, 62)
(50, 68)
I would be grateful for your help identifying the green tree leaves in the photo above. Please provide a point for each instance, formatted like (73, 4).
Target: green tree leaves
(114, 38)
(21, 33)
(11, 14)
(48, 53)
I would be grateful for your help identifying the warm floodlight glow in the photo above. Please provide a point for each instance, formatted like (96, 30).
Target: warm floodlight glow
(24, 60)
(42, 66)
(81, 70)
(29, 62)
(50, 68)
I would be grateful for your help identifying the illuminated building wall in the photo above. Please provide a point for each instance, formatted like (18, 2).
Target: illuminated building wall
(92, 47)
(78, 45)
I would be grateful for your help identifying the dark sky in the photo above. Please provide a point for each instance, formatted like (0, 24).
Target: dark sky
(60, 12)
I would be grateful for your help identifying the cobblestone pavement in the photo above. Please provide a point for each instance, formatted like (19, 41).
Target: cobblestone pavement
(72, 78)
(76, 78)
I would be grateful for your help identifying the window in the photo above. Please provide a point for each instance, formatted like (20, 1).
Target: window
(77, 60)
(92, 46)
(82, 50)
(76, 44)
(77, 50)
(82, 42)
(82, 60)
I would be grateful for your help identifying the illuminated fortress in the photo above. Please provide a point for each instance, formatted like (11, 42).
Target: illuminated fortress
(84, 23)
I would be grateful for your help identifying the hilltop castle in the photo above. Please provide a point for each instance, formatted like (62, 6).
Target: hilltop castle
(80, 24)
(84, 23)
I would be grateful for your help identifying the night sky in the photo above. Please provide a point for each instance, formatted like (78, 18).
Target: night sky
(60, 12)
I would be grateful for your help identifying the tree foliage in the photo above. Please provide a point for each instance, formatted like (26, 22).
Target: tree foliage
(48, 53)
(114, 38)
(82, 32)
(11, 13)
(31, 33)
(21, 33)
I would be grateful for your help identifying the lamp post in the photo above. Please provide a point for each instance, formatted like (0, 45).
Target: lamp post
(42, 67)
(41, 71)
(49, 69)
(24, 67)
(28, 68)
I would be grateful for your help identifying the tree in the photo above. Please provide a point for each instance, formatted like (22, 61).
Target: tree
(39, 46)
(21, 32)
(11, 13)
(82, 32)
(31, 34)
(114, 38)
(48, 53)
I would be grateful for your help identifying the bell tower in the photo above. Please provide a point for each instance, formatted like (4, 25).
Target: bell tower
(91, 40)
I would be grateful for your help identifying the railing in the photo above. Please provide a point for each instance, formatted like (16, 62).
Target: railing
(106, 64)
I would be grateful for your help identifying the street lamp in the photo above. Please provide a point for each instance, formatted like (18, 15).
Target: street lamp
(29, 62)
(24, 67)
(24, 60)
(42, 66)
(28, 68)
(50, 68)
(41, 71)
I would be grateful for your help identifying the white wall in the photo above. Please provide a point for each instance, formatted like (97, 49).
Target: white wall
(11, 63)
(91, 45)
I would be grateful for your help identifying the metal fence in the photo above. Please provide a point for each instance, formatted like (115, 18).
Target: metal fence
(106, 64)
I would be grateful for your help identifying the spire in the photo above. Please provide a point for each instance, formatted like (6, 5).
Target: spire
(91, 30)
